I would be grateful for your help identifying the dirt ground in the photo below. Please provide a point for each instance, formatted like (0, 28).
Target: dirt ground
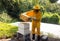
(5, 39)
(49, 39)
(53, 39)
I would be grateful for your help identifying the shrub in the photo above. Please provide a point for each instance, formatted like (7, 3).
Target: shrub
(50, 18)
(7, 30)
(45, 19)
(54, 19)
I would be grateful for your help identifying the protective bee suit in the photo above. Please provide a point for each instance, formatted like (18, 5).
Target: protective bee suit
(36, 19)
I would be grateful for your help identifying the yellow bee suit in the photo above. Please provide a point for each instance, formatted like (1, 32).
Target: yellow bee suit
(35, 23)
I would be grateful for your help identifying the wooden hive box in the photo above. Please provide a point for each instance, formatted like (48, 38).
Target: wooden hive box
(24, 17)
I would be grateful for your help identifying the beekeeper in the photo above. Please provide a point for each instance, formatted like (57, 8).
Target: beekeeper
(35, 15)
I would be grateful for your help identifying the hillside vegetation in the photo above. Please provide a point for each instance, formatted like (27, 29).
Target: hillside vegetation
(10, 12)
(6, 30)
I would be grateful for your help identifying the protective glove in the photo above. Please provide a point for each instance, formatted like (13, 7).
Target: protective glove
(30, 18)
(34, 18)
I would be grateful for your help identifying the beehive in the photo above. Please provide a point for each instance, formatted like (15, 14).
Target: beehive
(24, 28)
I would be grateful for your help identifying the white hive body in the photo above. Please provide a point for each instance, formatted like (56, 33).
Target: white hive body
(23, 28)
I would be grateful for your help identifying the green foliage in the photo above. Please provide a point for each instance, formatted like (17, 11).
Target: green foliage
(53, 1)
(51, 18)
(54, 19)
(4, 17)
(7, 30)
(45, 19)
(12, 8)
(15, 7)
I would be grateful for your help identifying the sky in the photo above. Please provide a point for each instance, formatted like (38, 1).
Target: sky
(58, 1)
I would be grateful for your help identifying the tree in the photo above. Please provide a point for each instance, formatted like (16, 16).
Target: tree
(11, 7)
(53, 1)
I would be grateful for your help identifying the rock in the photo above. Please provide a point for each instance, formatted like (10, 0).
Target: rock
(44, 38)
(20, 37)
